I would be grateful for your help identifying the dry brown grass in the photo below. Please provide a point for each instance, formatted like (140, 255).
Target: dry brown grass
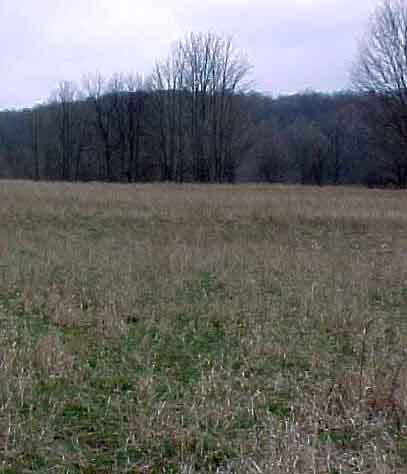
(186, 329)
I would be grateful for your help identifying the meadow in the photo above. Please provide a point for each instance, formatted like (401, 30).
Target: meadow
(150, 329)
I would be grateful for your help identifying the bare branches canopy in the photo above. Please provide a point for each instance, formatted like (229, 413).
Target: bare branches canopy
(195, 90)
(381, 73)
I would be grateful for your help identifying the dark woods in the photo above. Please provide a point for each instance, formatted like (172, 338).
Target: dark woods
(194, 119)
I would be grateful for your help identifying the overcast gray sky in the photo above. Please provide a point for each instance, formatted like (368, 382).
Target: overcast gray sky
(292, 44)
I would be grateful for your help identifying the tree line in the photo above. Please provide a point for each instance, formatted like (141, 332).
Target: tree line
(123, 130)
(195, 118)
(186, 122)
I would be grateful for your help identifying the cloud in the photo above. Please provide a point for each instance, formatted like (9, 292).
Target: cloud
(292, 45)
(46, 41)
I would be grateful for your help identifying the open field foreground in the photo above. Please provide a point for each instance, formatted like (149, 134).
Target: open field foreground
(194, 329)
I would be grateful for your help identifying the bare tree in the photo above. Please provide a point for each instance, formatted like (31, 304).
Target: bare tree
(35, 140)
(127, 95)
(135, 94)
(69, 117)
(64, 97)
(97, 89)
(381, 73)
(115, 90)
(195, 90)
(168, 94)
(215, 72)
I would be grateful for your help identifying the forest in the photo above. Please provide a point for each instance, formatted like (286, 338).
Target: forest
(196, 118)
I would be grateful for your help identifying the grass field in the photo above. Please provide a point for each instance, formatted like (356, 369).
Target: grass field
(194, 329)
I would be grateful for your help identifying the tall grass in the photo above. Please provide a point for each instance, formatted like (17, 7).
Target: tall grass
(194, 329)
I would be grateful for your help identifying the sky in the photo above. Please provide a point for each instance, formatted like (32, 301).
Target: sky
(293, 45)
